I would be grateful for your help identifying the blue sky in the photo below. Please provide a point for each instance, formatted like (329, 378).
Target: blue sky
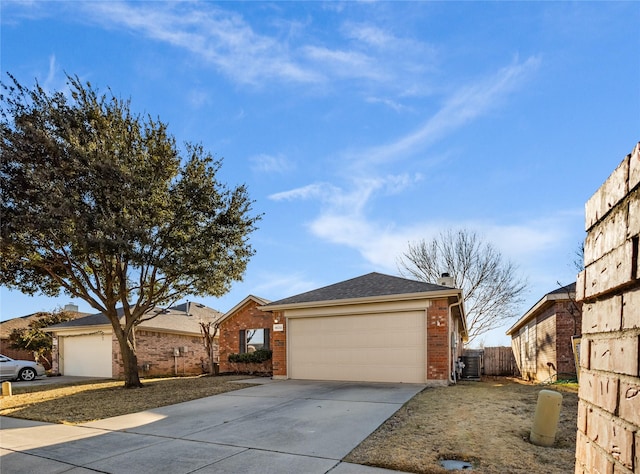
(359, 127)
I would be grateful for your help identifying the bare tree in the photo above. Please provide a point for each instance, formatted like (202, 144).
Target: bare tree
(492, 288)
(209, 330)
(578, 257)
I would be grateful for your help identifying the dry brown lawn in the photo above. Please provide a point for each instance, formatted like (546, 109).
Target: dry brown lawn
(486, 423)
(89, 401)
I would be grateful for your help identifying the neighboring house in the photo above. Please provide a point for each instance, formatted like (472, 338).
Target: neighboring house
(245, 328)
(7, 327)
(169, 344)
(542, 339)
(374, 328)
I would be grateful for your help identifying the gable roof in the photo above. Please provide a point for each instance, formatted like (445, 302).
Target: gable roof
(259, 301)
(565, 293)
(175, 319)
(370, 285)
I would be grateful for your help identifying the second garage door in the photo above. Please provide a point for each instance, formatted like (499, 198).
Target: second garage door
(387, 347)
(87, 355)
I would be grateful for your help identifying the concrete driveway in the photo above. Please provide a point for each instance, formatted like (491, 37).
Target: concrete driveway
(280, 427)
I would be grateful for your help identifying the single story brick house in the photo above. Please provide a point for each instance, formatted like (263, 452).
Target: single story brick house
(169, 344)
(542, 338)
(245, 328)
(374, 328)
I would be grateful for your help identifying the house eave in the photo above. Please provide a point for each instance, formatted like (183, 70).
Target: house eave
(542, 304)
(429, 295)
(261, 303)
(108, 327)
(72, 329)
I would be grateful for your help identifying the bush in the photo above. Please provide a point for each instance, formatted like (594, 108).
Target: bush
(258, 356)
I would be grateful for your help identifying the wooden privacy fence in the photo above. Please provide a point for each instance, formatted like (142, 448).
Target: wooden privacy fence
(499, 361)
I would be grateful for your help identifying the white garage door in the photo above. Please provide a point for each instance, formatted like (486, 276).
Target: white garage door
(374, 348)
(87, 356)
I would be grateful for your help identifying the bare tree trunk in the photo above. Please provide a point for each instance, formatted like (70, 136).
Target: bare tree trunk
(209, 331)
(211, 361)
(129, 359)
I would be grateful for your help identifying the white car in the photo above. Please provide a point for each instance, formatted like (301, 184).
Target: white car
(19, 369)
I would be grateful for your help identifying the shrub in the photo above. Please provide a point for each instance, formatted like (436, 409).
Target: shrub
(258, 356)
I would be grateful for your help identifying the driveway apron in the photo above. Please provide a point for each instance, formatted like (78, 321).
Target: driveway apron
(286, 426)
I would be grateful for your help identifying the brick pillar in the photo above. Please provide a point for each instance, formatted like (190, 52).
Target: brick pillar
(438, 341)
(279, 358)
(608, 438)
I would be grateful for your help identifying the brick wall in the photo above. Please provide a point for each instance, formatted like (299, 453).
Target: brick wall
(279, 339)
(248, 316)
(608, 438)
(438, 340)
(156, 356)
(568, 324)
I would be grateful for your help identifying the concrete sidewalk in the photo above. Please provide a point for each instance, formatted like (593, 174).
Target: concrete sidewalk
(280, 427)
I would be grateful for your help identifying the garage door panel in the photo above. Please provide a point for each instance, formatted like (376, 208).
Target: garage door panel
(87, 355)
(376, 347)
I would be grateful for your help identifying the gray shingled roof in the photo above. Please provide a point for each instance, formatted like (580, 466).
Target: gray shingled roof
(563, 293)
(570, 288)
(173, 319)
(366, 286)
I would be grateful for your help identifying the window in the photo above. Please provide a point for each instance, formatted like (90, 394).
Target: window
(252, 340)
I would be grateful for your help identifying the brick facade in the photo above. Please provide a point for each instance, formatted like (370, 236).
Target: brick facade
(438, 340)
(247, 316)
(543, 345)
(555, 329)
(280, 347)
(609, 408)
(568, 324)
(155, 351)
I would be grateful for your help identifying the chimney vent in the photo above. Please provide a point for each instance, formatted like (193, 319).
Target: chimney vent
(446, 280)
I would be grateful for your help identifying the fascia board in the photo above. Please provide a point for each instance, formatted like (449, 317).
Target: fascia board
(93, 327)
(429, 295)
(257, 299)
(537, 308)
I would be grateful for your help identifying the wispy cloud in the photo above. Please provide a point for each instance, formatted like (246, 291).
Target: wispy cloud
(392, 104)
(265, 163)
(344, 219)
(278, 286)
(368, 34)
(345, 63)
(218, 36)
(51, 81)
(461, 107)
(310, 191)
(380, 243)
(352, 199)
(287, 52)
(199, 98)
